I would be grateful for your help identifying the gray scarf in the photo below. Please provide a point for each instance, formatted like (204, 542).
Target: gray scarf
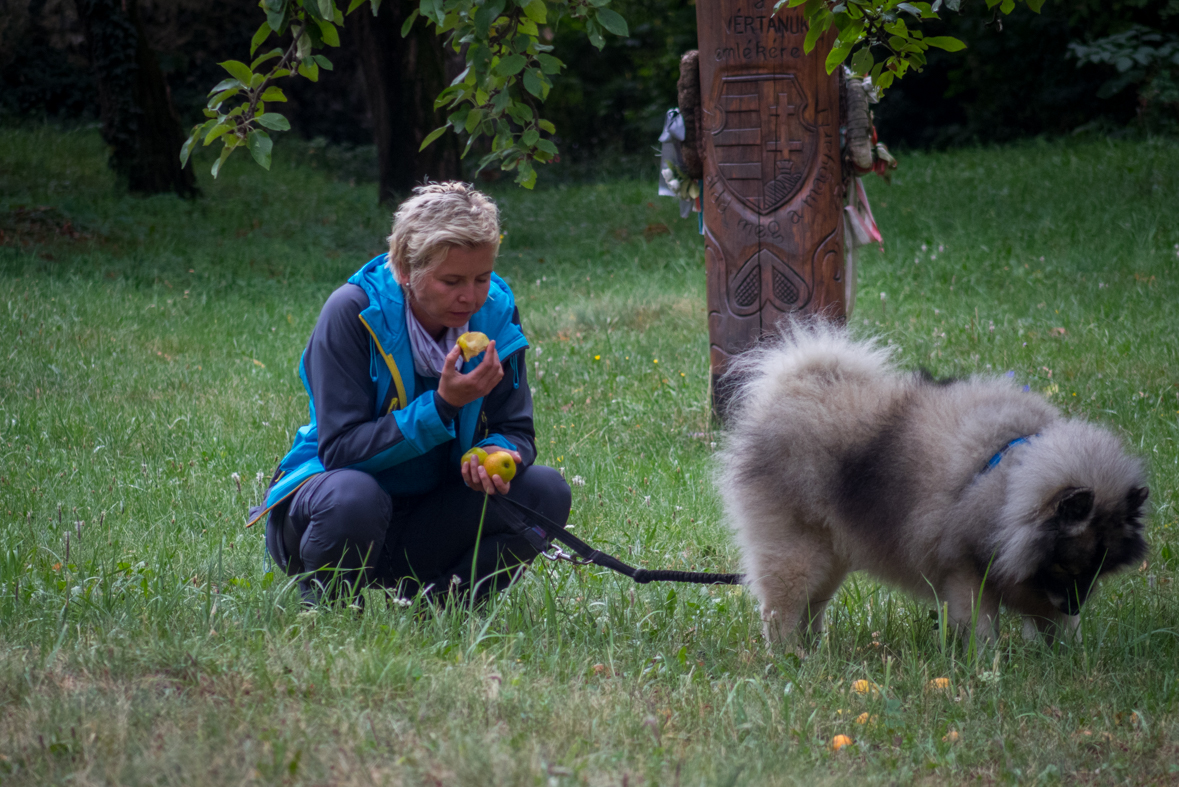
(429, 354)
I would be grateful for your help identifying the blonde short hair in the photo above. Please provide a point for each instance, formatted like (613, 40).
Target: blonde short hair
(438, 217)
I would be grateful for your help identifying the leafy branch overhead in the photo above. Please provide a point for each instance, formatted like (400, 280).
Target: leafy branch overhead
(509, 72)
(237, 106)
(890, 28)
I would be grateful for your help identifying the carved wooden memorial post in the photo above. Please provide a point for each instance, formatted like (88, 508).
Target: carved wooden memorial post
(769, 139)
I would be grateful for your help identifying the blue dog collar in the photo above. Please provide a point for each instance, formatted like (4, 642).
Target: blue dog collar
(998, 457)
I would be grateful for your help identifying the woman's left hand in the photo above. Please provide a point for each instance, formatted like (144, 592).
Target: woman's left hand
(476, 477)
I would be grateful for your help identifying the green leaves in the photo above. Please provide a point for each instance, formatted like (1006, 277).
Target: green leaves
(511, 65)
(238, 70)
(221, 160)
(310, 69)
(889, 26)
(219, 98)
(862, 61)
(408, 23)
(549, 64)
(273, 53)
(534, 83)
(259, 37)
(433, 135)
(260, 146)
(613, 21)
(537, 11)
(276, 15)
(487, 13)
(328, 33)
(947, 43)
(836, 56)
(273, 121)
(217, 131)
(509, 71)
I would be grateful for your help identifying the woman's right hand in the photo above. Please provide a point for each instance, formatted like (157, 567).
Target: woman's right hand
(459, 389)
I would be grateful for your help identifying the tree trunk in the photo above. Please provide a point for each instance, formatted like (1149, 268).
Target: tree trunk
(773, 194)
(138, 120)
(402, 76)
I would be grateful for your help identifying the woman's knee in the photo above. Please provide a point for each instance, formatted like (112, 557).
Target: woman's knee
(341, 507)
(354, 500)
(543, 489)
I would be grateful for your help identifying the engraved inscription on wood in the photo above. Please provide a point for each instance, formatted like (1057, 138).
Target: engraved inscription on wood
(772, 202)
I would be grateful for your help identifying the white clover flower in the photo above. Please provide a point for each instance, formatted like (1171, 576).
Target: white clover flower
(577, 481)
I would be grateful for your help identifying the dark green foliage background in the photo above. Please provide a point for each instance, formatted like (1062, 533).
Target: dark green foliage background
(1006, 85)
(1019, 82)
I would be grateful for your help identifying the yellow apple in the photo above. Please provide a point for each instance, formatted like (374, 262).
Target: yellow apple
(476, 452)
(502, 464)
(472, 343)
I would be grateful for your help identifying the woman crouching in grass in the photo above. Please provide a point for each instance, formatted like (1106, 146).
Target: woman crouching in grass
(373, 491)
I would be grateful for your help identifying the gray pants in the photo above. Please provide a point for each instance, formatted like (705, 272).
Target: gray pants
(342, 526)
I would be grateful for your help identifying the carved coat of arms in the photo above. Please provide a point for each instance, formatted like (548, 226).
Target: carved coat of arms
(764, 138)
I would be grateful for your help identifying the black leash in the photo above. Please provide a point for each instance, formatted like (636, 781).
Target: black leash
(539, 538)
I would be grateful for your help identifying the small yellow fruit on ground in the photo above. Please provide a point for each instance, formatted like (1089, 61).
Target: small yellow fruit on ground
(938, 684)
(839, 741)
(951, 736)
(472, 343)
(864, 718)
(476, 452)
(863, 687)
(501, 464)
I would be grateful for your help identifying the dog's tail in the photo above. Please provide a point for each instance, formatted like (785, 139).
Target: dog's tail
(804, 359)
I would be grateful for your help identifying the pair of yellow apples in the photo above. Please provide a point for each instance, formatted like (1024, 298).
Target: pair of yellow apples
(498, 463)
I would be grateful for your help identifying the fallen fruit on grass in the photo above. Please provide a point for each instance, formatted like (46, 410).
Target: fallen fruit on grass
(951, 736)
(501, 464)
(864, 687)
(938, 684)
(476, 452)
(839, 741)
(472, 343)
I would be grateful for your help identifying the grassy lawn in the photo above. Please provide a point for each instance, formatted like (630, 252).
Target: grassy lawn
(148, 385)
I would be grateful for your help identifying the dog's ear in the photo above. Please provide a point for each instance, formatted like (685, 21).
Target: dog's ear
(1074, 504)
(1136, 497)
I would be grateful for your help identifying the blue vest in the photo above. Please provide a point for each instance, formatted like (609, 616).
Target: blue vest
(417, 418)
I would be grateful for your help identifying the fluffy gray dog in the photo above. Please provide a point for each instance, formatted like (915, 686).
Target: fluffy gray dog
(972, 491)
